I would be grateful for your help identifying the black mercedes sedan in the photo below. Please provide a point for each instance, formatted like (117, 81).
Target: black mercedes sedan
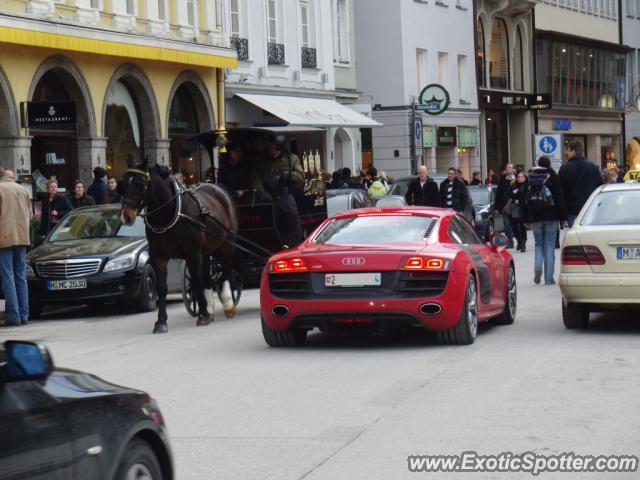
(63, 424)
(90, 257)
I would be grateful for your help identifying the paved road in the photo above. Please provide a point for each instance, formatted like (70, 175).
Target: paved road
(355, 408)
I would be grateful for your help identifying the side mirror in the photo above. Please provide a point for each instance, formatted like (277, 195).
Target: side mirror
(26, 361)
(499, 240)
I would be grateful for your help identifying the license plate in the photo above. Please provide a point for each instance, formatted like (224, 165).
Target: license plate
(628, 253)
(66, 284)
(353, 279)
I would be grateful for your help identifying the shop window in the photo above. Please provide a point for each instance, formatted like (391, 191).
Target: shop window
(499, 55)
(481, 56)
(183, 124)
(462, 79)
(122, 128)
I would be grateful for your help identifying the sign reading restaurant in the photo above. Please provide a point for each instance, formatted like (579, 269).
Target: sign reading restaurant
(49, 115)
(434, 99)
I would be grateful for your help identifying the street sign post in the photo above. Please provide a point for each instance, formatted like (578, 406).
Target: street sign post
(417, 133)
(549, 145)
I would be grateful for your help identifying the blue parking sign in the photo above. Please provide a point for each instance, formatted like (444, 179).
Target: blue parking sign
(548, 145)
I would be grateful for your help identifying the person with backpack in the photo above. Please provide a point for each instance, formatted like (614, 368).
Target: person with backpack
(544, 212)
(377, 188)
(453, 193)
(579, 178)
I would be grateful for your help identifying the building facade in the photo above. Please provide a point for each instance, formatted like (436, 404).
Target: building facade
(289, 59)
(581, 62)
(91, 83)
(504, 69)
(404, 46)
(631, 37)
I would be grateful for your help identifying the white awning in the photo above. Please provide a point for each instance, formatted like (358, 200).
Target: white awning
(309, 112)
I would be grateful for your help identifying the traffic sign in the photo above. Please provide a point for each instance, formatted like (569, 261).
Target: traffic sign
(417, 133)
(548, 145)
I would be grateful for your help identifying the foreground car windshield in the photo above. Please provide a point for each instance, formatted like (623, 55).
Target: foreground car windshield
(614, 208)
(95, 224)
(375, 230)
(480, 197)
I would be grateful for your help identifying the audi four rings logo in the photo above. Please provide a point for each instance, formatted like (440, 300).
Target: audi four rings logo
(351, 261)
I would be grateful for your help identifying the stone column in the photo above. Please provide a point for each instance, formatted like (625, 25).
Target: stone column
(92, 152)
(157, 151)
(15, 154)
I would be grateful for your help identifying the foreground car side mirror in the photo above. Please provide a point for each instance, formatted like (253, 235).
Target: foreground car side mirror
(26, 361)
(499, 240)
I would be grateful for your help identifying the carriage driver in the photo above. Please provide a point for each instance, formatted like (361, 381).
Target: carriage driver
(274, 177)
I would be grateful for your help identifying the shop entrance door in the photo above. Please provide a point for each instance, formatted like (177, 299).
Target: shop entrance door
(55, 154)
(497, 134)
(185, 158)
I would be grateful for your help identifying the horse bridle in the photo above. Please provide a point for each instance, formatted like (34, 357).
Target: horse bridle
(178, 211)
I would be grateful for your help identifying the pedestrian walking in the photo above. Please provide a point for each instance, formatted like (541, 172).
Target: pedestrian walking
(98, 189)
(54, 208)
(502, 198)
(377, 186)
(476, 179)
(423, 191)
(15, 219)
(578, 178)
(453, 193)
(517, 197)
(544, 212)
(78, 198)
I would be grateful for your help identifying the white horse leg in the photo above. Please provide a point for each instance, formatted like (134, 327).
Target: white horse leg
(211, 301)
(227, 300)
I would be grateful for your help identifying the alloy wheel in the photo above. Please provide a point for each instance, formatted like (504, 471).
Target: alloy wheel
(472, 308)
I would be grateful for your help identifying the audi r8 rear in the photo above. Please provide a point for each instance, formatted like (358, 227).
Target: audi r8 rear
(383, 269)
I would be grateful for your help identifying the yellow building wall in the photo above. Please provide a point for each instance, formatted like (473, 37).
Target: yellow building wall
(21, 63)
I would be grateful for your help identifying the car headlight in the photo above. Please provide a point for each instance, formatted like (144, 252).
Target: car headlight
(122, 262)
(31, 273)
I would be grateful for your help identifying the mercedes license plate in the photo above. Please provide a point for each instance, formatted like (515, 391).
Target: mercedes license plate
(353, 279)
(628, 253)
(66, 284)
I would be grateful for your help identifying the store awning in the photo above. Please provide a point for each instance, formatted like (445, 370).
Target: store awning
(309, 112)
(138, 50)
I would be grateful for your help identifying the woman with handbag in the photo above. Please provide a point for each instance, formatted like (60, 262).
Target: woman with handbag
(516, 200)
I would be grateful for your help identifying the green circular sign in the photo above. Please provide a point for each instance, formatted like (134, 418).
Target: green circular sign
(434, 99)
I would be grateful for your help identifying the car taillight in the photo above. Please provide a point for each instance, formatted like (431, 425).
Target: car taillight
(288, 265)
(422, 263)
(582, 255)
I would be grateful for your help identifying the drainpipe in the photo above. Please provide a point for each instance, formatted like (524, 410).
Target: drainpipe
(221, 131)
(623, 136)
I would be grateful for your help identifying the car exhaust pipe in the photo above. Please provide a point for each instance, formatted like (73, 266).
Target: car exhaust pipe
(280, 310)
(430, 309)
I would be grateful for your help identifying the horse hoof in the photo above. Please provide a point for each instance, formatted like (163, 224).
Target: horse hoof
(160, 328)
(204, 320)
(230, 313)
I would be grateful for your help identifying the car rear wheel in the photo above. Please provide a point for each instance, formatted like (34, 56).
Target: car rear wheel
(574, 315)
(508, 315)
(275, 338)
(138, 463)
(148, 296)
(465, 332)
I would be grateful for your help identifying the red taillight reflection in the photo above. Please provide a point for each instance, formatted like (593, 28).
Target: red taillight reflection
(582, 255)
(288, 265)
(422, 263)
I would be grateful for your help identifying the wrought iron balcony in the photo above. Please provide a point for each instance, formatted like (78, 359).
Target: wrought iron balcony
(241, 45)
(275, 54)
(308, 57)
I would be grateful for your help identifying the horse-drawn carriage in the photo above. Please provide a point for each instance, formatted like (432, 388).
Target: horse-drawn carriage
(261, 218)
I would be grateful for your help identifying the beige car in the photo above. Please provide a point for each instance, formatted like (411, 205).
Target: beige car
(601, 255)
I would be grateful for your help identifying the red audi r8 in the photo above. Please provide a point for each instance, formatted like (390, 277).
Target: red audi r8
(383, 269)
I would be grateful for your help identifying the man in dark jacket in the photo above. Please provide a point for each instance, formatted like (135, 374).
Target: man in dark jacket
(235, 174)
(453, 193)
(579, 178)
(476, 180)
(98, 189)
(502, 197)
(423, 191)
(544, 212)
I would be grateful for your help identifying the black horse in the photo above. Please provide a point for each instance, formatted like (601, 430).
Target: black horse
(191, 225)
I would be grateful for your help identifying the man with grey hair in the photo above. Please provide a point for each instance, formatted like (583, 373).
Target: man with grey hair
(423, 191)
(15, 218)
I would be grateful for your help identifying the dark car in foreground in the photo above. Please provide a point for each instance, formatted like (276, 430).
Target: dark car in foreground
(488, 220)
(90, 257)
(64, 424)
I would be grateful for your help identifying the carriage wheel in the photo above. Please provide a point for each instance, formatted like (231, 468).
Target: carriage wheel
(189, 299)
(236, 287)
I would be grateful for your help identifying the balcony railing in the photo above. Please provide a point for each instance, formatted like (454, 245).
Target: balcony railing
(275, 54)
(241, 45)
(308, 57)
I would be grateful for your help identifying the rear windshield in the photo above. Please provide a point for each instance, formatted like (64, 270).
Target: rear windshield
(373, 230)
(614, 208)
